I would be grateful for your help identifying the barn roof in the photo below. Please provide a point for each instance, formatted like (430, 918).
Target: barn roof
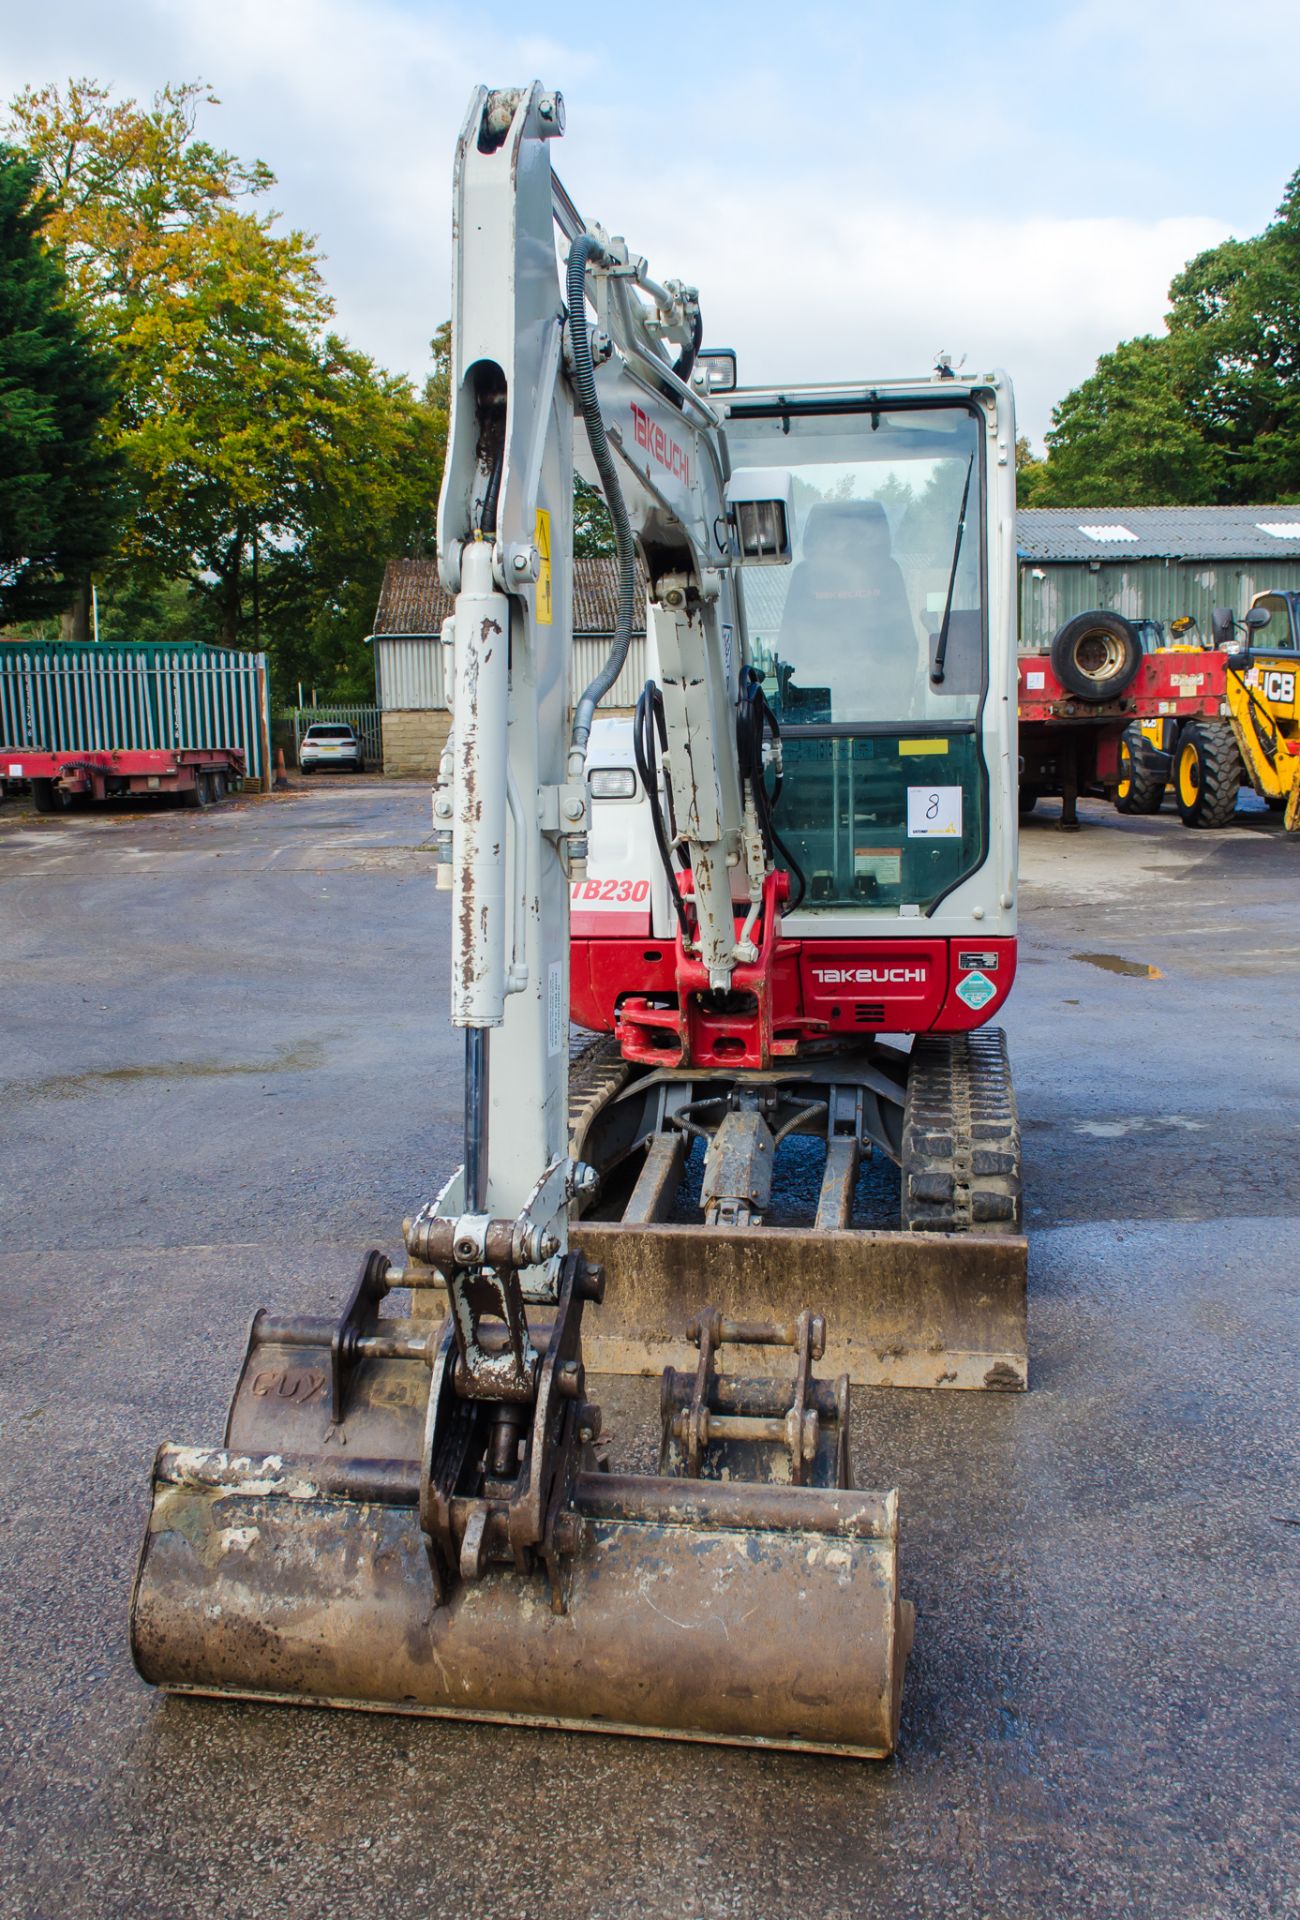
(413, 600)
(1158, 533)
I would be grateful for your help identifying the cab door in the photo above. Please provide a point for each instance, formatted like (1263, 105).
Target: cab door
(1274, 675)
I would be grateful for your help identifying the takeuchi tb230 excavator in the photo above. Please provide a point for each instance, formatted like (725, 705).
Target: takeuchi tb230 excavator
(792, 882)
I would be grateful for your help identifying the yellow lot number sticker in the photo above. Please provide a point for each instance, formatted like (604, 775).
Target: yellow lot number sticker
(542, 541)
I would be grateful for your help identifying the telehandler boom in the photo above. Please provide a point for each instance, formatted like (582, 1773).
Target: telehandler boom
(414, 1509)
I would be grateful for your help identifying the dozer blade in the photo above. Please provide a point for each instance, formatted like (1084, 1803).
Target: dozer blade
(902, 1309)
(725, 1612)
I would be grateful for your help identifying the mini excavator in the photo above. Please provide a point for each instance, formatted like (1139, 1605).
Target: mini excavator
(781, 902)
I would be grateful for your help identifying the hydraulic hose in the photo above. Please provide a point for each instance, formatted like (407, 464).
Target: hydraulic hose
(755, 720)
(585, 248)
(649, 721)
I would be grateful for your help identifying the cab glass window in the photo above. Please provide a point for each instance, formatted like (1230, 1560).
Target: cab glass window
(1278, 632)
(886, 542)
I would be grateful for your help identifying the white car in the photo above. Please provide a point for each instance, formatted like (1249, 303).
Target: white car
(329, 746)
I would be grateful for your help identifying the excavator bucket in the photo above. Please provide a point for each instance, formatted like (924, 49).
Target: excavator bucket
(300, 1561)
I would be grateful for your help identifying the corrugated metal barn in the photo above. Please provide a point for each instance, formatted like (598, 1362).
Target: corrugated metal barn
(1145, 562)
(1150, 563)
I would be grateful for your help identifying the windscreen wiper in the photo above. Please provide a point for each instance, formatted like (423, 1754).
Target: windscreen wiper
(941, 651)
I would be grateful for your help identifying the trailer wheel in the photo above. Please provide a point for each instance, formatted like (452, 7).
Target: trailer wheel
(1143, 774)
(1207, 774)
(197, 795)
(1095, 655)
(1029, 799)
(43, 797)
(961, 1136)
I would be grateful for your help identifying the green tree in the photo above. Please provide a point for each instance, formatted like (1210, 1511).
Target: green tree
(1234, 331)
(57, 474)
(1124, 437)
(593, 530)
(272, 464)
(1207, 413)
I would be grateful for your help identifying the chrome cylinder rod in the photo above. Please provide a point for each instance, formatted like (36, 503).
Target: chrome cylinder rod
(476, 1119)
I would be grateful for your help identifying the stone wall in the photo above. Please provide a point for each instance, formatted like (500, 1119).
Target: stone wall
(413, 742)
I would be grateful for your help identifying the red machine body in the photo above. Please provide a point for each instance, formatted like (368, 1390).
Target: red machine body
(654, 994)
(1066, 740)
(93, 774)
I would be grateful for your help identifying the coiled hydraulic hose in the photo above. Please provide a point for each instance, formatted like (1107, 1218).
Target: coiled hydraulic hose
(585, 248)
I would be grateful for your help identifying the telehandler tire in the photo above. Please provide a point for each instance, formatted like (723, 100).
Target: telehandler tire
(961, 1136)
(1143, 774)
(1095, 655)
(1207, 773)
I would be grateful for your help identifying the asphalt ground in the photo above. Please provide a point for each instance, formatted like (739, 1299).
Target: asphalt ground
(226, 1070)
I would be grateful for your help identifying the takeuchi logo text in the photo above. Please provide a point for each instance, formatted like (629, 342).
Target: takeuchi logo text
(660, 445)
(869, 976)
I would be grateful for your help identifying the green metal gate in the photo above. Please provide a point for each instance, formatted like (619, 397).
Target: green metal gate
(364, 722)
(62, 696)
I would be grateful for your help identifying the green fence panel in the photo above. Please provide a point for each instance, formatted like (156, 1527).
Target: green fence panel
(64, 697)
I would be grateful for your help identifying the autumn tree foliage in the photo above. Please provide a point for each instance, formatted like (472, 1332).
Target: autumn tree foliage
(271, 465)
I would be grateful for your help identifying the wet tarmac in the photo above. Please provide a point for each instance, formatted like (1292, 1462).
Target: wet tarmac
(226, 1070)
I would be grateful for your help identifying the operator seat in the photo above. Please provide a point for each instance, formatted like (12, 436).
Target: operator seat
(847, 624)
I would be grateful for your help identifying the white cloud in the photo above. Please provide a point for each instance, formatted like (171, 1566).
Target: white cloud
(851, 294)
(821, 249)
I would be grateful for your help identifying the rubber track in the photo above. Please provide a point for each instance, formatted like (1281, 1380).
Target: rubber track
(961, 1136)
(1221, 772)
(596, 1072)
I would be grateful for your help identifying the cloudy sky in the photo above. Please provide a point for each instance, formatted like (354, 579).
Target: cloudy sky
(852, 186)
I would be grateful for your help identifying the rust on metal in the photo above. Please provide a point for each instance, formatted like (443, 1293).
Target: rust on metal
(680, 1606)
(405, 1544)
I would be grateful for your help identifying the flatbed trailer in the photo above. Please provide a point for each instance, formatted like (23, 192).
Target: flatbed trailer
(1071, 745)
(77, 777)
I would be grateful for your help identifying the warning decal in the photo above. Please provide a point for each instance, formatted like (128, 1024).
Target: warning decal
(976, 990)
(542, 541)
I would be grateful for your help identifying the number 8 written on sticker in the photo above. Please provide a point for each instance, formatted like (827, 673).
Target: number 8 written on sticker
(934, 813)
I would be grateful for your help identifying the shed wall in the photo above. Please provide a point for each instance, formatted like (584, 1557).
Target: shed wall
(1141, 589)
(63, 697)
(409, 671)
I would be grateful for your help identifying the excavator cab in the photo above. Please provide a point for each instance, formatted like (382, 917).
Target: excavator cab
(881, 656)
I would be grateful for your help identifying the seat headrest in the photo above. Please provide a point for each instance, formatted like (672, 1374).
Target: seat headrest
(846, 527)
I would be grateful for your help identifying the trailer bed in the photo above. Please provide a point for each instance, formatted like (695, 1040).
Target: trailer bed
(1069, 745)
(76, 777)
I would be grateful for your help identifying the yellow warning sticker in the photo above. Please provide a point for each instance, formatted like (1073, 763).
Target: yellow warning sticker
(922, 746)
(542, 541)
